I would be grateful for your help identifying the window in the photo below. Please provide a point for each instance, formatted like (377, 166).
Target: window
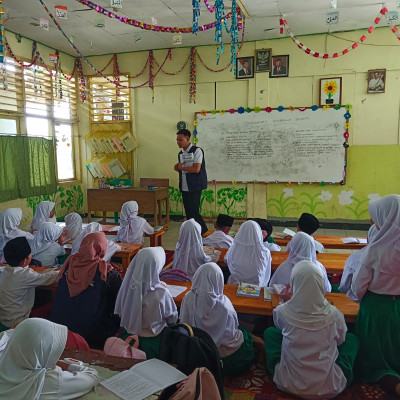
(50, 109)
(11, 94)
(65, 159)
(107, 101)
(8, 126)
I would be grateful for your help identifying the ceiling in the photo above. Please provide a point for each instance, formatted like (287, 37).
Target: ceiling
(304, 17)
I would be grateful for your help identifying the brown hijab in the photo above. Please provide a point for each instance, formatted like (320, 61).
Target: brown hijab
(83, 265)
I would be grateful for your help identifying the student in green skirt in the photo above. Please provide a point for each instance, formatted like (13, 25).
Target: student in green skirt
(309, 353)
(143, 303)
(377, 285)
(206, 307)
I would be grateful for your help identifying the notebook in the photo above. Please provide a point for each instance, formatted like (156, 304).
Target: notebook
(248, 290)
(354, 240)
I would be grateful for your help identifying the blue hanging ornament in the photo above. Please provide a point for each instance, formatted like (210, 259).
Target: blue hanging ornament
(196, 15)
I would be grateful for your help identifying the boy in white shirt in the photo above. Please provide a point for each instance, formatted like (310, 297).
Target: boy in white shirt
(220, 237)
(18, 282)
(308, 223)
(266, 229)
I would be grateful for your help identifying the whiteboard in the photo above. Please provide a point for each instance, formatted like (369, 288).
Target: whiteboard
(287, 146)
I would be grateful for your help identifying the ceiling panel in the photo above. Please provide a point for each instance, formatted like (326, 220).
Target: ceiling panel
(304, 16)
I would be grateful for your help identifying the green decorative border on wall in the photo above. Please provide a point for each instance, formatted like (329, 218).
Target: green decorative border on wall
(214, 200)
(68, 199)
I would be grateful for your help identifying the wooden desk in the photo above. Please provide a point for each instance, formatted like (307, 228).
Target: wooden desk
(128, 250)
(329, 242)
(155, 238)
(260, 306)
(333, 262)
(98, 358)
(149, 201)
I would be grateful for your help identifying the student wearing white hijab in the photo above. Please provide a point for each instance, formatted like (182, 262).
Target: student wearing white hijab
(73, 226)
(9, 222)
(302, 248)
(206, 307)
(377, 285)
(309, 353)
(189, 252)
(112, 247)
(248, 259)
(44, 213)
(29, 370)
(45, 245)
(132, 227)
(353, 264)
(143, 303)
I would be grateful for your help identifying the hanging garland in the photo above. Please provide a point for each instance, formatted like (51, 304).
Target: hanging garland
(229, 64)
(173, 73)
(142, 25)
(338, 54)
(81, 79)
(116, 73)
(192, 79)
(89, 62)
(151, 76)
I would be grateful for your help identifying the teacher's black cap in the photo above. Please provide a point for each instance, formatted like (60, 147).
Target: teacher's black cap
(308, 223)
(16, 250)
(224, 220)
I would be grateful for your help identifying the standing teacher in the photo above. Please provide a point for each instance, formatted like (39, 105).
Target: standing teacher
(192, 176)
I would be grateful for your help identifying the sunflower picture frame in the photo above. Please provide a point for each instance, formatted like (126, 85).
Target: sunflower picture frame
(330, 91)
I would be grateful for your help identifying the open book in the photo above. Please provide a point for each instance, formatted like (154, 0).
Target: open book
(143, 379)
(354, 240)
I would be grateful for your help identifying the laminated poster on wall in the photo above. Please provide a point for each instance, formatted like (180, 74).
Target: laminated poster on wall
(128, 142)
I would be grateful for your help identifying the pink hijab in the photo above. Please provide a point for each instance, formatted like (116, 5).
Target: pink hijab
(83, 265)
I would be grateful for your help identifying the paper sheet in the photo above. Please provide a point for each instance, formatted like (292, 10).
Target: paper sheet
(176, 290)
(288, 231)
(143, 379)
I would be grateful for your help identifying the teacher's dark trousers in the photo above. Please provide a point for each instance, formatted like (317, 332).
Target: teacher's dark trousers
(191, 203)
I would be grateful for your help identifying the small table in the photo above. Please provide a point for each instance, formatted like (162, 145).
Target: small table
(251, 305)
(333, 262)
(155, 238)
(329, 242)
(149, 201)
(128, 250)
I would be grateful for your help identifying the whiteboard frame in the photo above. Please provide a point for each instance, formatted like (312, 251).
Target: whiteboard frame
(322, 183)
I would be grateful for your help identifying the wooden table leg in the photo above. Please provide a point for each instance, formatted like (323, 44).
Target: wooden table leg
(153, 241)
(89, 216)
(159, 240)
(155, 213)
(167, 211)
(104, 217)
(126, 259)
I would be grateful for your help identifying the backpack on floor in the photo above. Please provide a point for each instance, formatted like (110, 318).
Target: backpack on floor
(190, 348)
(200, 385)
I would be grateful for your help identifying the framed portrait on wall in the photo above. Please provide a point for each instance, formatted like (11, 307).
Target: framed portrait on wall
(263, 60)
(376, 81)
(279, 66)
(244, 67)
(330, 91)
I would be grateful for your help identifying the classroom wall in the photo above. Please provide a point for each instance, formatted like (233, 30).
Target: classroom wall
(70, 195)
(374, 127)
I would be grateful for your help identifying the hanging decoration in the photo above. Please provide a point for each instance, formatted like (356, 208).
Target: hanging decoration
(82, 81)
(316, 54)
(192, 79)
(1, 32)
(196, 15)
(234, 36)
(151, 76)
(147, 27)
(219, 15)
(116, 73)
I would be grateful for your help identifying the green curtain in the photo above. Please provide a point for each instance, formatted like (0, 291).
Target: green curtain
(27, 167)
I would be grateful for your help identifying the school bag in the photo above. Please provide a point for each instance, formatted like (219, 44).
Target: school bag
(189, 348)
(200, 385)
(115, 346)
